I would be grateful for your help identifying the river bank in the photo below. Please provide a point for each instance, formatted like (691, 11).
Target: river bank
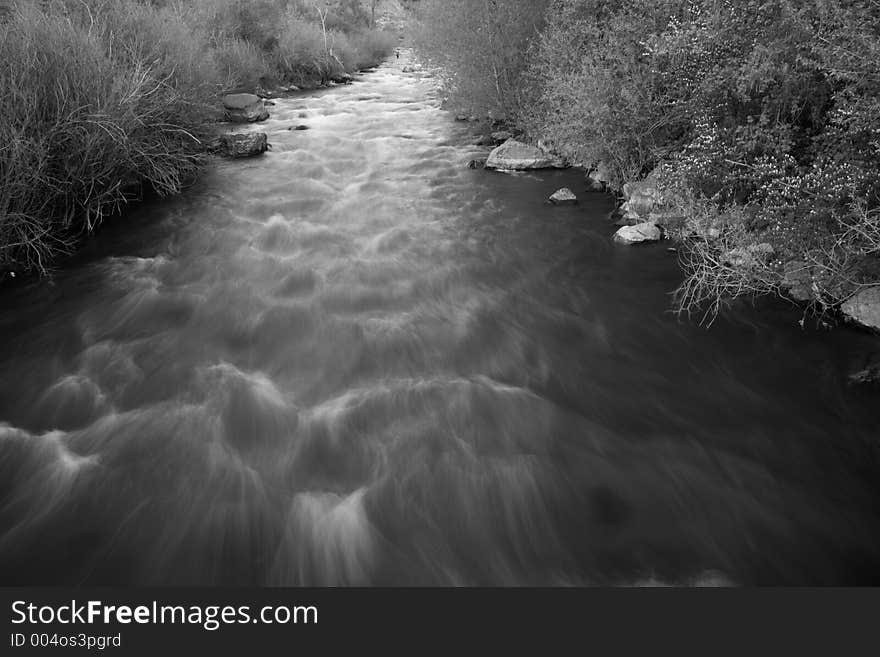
(650, 210)
(757, 124)
(105, 101)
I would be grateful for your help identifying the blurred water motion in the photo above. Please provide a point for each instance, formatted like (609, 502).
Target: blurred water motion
(356, 362)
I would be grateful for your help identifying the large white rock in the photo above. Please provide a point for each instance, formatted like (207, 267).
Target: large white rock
(245, 108)
(645, 232)
(514, 155)
(563, 196)
(864, 307)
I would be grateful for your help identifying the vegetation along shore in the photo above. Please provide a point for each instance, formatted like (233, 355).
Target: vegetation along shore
(106, 99)
(748, 131)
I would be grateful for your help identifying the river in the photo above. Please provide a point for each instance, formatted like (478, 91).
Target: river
(354, 361)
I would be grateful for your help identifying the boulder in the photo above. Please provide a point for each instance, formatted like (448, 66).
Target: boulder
(500, 136)
(244, 108)
(514, 155)
(244, 144)
(646, 232)
(563, 196)
(864, 307)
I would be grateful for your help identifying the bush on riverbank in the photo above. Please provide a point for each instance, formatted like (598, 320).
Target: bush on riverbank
(89, 111)
(481, 49)
(764, 113)
(102, 98)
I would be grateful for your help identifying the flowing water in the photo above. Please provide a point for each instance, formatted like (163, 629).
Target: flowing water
(353, 361)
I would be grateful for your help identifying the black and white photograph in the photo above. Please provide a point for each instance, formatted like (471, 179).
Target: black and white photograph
(335, 294)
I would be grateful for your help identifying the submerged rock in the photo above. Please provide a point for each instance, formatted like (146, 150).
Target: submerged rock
(869, 375)
(864, 308)
(514, 155)
(476, 164)
(244, 108)
(299, 127)
(245, 144)
(500, 136)
(563, 196)
(645, 232)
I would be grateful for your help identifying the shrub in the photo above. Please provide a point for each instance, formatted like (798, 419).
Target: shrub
(301, 53)
(87, 115)
(788, 138)
(482, 48)
(241, 64)
(596, 92)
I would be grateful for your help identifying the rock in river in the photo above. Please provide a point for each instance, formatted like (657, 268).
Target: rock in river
(564, 196)
(245, 108)
(645, 232)
(514, 155)
(245, 144)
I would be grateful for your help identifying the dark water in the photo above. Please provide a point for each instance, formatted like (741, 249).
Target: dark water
(354, 361)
